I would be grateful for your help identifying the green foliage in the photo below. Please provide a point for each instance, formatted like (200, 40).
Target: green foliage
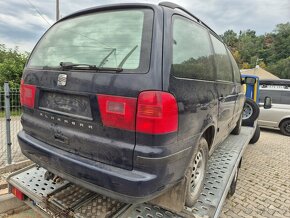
(230, 38)
(11, 66)
(270, 51)
(281, 68)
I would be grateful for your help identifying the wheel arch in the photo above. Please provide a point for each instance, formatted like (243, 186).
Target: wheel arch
(282, 120)
(209, 135)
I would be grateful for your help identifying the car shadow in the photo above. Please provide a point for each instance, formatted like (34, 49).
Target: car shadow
(276, 131)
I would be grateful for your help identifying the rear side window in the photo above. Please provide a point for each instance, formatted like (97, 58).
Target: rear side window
(285, 97)
(236, 69)
(117, 38)
(192, 56)
(223, 65)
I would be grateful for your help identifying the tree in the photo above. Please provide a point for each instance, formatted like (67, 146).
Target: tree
(281, 68)
(273, 48)
(231, 39)
(11, 65)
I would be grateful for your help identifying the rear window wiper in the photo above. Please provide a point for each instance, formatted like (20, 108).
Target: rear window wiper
(70, 65)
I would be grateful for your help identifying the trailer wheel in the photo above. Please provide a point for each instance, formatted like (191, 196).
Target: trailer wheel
(251, 112)
(256, 135)
(196, 173)
(233, 186)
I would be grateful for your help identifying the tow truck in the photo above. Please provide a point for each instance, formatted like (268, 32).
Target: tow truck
(62, 198)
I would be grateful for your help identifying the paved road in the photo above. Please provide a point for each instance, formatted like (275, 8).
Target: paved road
(264, 182)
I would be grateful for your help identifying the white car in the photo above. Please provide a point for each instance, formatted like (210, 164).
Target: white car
(275, 115)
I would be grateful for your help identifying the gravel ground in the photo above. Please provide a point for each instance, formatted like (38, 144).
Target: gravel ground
(263, 188)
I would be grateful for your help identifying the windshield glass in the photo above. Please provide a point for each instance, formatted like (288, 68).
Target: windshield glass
(107, 39)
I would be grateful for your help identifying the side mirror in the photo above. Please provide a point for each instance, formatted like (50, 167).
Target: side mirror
(267, 102)
(249, 81)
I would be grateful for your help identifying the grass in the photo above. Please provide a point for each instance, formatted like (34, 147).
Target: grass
(12, 113)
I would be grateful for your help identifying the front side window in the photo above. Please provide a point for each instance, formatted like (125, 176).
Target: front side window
(275, 96)
(192, 56)
(223, 65)
(111, 39)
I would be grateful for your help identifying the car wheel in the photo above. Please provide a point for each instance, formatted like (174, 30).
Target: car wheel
(250, 112)
(196, 173)
(256, 135)
(237, 129)
(285, 127)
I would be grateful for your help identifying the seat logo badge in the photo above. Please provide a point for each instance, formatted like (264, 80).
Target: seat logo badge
(61, 80)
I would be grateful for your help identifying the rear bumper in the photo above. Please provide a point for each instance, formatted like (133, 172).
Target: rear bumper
(131, 186)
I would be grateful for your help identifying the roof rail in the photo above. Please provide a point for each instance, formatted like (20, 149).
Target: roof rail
(176, 6)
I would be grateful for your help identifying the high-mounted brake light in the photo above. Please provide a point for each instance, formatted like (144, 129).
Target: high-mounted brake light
(117, 111)
(157, 112)
(27, 94)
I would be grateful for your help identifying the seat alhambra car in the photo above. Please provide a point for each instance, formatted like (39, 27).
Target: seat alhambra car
(129, 99)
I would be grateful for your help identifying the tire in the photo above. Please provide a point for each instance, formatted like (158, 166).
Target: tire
(195, 173)
(285, 127)
(251, 112)
(256, 135)
(238, 127)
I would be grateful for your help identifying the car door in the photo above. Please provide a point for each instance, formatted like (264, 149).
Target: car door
(225, 88)
(239, 94)
(192, 78)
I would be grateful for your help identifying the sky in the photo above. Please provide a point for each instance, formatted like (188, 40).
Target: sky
(23, 22)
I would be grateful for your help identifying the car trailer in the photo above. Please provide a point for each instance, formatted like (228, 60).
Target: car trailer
(65, 199)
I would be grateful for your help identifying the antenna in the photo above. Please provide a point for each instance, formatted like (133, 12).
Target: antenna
(57, 10)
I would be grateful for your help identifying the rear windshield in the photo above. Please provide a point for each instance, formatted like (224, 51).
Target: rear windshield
(110, 39)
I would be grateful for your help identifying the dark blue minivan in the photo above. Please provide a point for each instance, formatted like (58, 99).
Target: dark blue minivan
(127, 100)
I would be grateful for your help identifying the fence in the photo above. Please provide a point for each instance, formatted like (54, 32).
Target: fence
(9, 104)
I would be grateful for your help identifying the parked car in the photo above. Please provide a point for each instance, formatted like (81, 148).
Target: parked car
(127, 100)
(277, 114)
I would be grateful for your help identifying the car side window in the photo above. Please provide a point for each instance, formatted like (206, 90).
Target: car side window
(236, 69)
(223, 65)
(285, 97)
(275, 96)
(192, 54)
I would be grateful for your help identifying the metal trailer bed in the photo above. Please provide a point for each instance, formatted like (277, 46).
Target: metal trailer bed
(66, 199)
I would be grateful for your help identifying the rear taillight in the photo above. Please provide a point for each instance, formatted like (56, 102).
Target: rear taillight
(157, 112)
(117, 112)
(27, 94)
(18, 194)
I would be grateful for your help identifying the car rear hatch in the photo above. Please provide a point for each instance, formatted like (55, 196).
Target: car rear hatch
(80, 86)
